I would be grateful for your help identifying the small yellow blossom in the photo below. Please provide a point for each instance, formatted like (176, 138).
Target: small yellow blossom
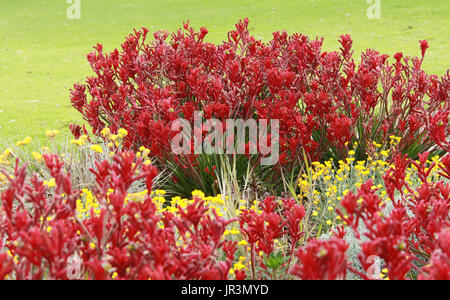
(97, 148)
(36, 156)
(25, 141)
(123, 133)
(51, 133)
(243, 243)
(106, 132)
(50, 183)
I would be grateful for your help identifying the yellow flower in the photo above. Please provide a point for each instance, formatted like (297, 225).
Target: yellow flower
(395, 139)
(7, 152)
(243, 243)
(50, 183)
(51, 133)
(160, 192)
(239, 266)
(80, 142)
(25, 141)
(233, 231)
(329, 222)
(36, 156)
(97, 148)
(123, 132)
(198, 194)
(144, 151)
(376, 144)
(106, 132)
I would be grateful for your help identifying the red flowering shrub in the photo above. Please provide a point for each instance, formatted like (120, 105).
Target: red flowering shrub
(404, 238)
(45, 237)
(324, 100)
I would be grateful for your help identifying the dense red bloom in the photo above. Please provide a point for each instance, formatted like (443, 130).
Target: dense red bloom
(405, 237)
(294, 215)
(394, 178)
(439, 267)
(423, 47)
(261, 230)
(6, 265)
(130, 240)
(322, 260)
(445, 166)
(323, 100)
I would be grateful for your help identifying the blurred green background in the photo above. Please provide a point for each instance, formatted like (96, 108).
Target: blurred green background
(42, 52)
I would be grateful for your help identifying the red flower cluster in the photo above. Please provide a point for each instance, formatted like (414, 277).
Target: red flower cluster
(42, 235)
(323, 100)
(322, 260)
(439, 267)
(46, 239)
(406, 237)
(412, 240)
(261, 230)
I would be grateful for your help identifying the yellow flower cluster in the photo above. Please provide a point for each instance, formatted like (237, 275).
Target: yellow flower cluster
(115, 139)
(325, 184)
(144, 154)
(50, 183)
(84, 206)
(394, 140)
(37, 156)
(240, 265)
(81, 141)
(4, 157)
(219, 203)
(97, 148)
(51, 133)
(88, 201)
(229, 209)
(24, 142)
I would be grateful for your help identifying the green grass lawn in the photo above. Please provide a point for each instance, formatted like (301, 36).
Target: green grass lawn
(42, 53)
